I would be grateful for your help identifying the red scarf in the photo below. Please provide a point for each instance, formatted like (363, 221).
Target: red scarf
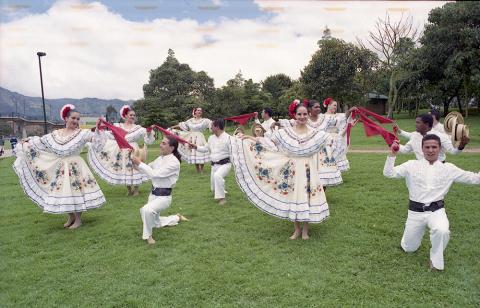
(167, 133)
(241, 119)
(118, 133)
(371, 128)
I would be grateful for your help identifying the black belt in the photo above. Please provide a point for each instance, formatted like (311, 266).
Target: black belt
(420, 207)
(221, 161)
(157, 191)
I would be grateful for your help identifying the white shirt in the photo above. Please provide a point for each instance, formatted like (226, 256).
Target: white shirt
(163, 171)
(415, 145)
(267, 125)
(219, 147)
(428, 183)
(436, 128)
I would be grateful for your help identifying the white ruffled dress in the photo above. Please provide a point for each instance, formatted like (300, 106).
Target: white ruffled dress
(53, 174)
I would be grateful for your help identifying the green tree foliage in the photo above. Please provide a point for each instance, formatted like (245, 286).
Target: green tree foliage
(333, 69)
(172, 91)
(450, 52)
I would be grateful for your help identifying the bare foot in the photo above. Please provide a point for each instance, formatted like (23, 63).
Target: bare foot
(150, 240)
(433, 268)
(69, 222)
(295, 234)
(305, 236)
(182, 218)
(75, 225)
(222, 202)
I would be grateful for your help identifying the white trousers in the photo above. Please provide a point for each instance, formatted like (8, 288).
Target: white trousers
(438, 224)
(150, 214)
(217, 179)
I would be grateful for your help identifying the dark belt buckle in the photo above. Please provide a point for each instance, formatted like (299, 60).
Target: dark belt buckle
(426, 208)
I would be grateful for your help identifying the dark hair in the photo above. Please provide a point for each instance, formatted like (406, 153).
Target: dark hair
(427, 119)
(435, 113)
(312, 103)
(70, 111)
(431, 137)
(174, 143)
(220, 123)
(268, 111)
(298, 106)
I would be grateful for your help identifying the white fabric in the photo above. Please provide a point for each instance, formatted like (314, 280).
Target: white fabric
(219, 147)
(53, 174)
(415, 226)
(277, 179)
(267, 125)
(113, 164)
(427, 183)
(192, 131)
(217, 179)
(415, 145)
(164, 172)
(335, 124)
(150, 214)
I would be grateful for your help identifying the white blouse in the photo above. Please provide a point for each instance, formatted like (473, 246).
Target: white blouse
(163, 171)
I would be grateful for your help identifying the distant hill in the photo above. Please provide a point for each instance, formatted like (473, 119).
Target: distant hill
(31, 107)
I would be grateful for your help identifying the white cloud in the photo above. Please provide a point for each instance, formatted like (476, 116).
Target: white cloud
(93, 52)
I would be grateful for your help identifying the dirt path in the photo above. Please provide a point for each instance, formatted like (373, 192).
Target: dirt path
(385, 150)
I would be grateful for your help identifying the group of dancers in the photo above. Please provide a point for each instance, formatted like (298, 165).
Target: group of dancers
(283, 168)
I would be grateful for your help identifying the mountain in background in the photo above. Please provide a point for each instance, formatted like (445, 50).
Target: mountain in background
(12, 103)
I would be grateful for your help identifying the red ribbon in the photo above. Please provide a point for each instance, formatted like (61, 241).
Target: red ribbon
(371, 128)
(118, 133)
(168, 133)
(241, 119)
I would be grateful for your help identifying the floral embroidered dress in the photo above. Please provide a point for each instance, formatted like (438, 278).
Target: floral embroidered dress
(336, 125)
(113, 164)
(192, 131)
(53, 174)
(278, 175)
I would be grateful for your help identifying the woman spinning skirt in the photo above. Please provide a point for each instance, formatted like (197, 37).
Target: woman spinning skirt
(113, 164)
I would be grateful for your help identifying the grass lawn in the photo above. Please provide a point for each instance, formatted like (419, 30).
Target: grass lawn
(236, 255)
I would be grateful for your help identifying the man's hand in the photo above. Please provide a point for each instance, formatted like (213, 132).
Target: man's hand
(465, 140)
(135, 160)
(256, 115)
(192, 146)
(394, 148)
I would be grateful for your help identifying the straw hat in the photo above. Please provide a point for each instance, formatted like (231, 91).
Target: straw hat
(239, 130)
(450, 118)
(254, 128)
(458, 131)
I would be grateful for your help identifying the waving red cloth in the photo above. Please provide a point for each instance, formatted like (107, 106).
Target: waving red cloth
(241, 119)
(118, 133)
(371, 128)
(167, 133)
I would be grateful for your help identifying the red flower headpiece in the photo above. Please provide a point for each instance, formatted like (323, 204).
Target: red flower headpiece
(294, 104)
(124, 110)
(327, 101)
(65, 109)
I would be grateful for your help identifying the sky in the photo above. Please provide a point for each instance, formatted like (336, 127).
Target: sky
(106, 49)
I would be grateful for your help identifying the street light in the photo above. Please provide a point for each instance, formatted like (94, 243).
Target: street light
(42, 54)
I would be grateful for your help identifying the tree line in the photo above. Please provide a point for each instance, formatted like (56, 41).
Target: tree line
(437, 67)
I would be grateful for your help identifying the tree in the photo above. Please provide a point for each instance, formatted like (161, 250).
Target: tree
(333, 69)
(276, 85)
(392, 40)
(172, 91)
(450, 52)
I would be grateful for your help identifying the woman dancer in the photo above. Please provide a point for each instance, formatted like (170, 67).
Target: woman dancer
(164, 172)
(53, 174)
(113, 164)
(193, 133)
(276, 174)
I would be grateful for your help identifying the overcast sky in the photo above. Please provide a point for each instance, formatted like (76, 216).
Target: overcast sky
(105, 49)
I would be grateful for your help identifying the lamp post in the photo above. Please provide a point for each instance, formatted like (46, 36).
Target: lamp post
(42, 54)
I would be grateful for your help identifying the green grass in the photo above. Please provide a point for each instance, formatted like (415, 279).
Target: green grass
(236, 255)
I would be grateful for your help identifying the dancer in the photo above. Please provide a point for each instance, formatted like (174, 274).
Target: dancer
(267, 114)
(113, 164)
(53, 174)
(436, 127)
(192, 131)
(423, 126)
(164, 172)
(276, 174)
(428, 181)
(219, 147)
